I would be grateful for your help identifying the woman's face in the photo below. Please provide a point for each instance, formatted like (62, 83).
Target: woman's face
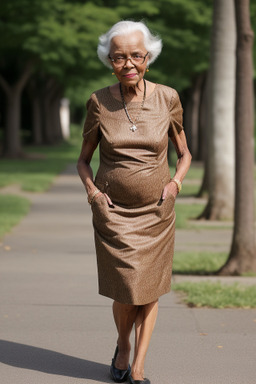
(129, 74)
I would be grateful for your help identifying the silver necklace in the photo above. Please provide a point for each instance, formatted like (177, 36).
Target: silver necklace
(133, 128)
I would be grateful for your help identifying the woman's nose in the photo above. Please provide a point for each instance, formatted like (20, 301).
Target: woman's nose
(129, 63)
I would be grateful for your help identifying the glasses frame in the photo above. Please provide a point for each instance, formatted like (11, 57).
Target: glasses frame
(128, 58)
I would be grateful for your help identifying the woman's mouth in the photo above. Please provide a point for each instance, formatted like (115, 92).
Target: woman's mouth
(130, 75)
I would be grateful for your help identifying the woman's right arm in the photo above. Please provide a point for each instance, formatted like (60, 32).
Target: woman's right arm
(83, 166)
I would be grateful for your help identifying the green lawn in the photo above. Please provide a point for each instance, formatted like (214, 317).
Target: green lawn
(33, 173)
(217, 295)
(36, 172)
(12, 209)
(185, 212)
(198, 263)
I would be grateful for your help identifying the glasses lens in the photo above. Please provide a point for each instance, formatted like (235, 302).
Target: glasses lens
(119, 61)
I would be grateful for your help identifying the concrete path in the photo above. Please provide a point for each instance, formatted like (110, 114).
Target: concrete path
(55, 328)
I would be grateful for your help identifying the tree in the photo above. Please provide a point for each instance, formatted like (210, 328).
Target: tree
(59, 39)
(13, 95)
(242, 257)
(221, 114)
(62, 36)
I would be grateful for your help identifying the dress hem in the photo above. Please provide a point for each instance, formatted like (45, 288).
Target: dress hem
(136, 303)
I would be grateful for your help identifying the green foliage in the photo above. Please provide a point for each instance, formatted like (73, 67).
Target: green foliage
(185, 29)
(253, 24)
(12, 209)
(217, 295)
(62, 37)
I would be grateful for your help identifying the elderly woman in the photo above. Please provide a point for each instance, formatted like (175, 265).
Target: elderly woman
(132, 197)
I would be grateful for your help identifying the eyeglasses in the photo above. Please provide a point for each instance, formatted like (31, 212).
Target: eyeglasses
(136, 59)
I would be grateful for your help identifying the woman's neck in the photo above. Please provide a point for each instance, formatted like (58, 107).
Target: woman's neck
(134, 91)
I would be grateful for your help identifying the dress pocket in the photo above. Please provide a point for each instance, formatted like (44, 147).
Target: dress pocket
(98, 201)
(100, 211)
(166, 207)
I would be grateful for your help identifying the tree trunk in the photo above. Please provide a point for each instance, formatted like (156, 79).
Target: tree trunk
(196, 96)
(13, 147)
(12, 140)
(203, 122)
(55, 116)
(34, 92)
(242, 256)
(52, 127)
(37, 121)
(204, 136)
(221, 113)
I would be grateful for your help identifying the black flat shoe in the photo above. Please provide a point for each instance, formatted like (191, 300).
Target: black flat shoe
(144, 381)
(119, 375)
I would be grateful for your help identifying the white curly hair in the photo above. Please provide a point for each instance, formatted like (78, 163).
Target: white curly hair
(153, 43)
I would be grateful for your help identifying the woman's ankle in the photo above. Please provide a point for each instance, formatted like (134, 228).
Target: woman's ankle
(123, 356)
(124, 346)
(137, 374)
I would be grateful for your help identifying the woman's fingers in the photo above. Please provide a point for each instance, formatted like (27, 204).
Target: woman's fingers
(164, 193)
(170, 188)
(108, 199)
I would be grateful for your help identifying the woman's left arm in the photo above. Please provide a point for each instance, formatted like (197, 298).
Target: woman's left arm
(183, 163)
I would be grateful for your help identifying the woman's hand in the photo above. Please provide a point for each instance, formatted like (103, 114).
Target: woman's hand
(170, 189)
(109, 201)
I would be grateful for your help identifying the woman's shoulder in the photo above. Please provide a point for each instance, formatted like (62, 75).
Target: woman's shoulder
(99, 93)
(168, 95)
(167, 90)
(97, 98)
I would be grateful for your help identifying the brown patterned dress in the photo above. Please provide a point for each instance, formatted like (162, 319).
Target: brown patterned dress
(134, 239)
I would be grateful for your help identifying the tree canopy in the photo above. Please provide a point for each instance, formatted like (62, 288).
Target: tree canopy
(61, 37)
(60, 40)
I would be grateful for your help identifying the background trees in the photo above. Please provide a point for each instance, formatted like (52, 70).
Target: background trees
(48, 43)
(49, 50)
(221, 112)
(242, 256)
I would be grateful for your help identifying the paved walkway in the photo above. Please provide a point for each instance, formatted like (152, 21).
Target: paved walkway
(55, 328)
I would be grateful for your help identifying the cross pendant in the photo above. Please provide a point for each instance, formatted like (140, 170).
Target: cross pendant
(133, 128)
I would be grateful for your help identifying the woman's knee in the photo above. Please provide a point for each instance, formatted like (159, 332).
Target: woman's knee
(124, 308)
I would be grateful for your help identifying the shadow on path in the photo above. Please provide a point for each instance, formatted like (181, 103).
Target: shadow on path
(55, 363)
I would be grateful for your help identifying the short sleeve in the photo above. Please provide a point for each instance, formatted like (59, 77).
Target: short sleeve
(91, 131)
(176, 116)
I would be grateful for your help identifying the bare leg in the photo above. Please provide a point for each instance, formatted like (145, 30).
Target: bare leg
(124, 316)
(144, 325)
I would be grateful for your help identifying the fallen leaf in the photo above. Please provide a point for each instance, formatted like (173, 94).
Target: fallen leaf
(7, 247)
(203, 334)
(220, 346)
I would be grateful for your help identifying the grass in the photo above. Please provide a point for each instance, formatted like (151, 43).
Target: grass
(185, 212)
(190, 190)
(12, 209)
(36, 172)
(217, 295)
(209, 294)
(198, 263)
(38, 169)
